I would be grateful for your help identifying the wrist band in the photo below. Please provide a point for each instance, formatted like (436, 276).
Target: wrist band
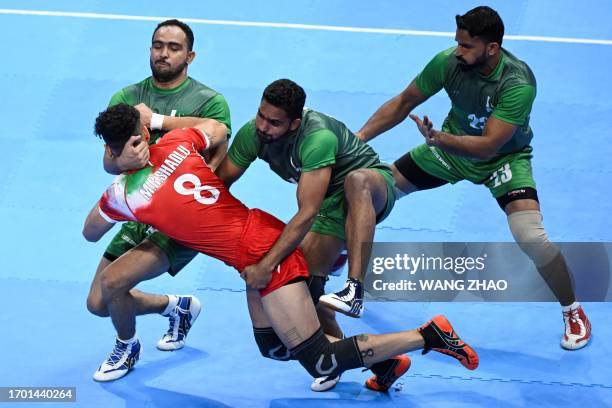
(157, 121)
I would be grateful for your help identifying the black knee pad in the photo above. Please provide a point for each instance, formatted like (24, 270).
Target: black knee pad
(270, 345)
(316, 287)
(320, 357)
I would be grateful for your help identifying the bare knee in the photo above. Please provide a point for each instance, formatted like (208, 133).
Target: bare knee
(112, 283)
(96, 305)
(357, 182)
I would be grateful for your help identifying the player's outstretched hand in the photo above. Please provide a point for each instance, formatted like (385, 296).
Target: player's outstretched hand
(425, 126)
(256, 276)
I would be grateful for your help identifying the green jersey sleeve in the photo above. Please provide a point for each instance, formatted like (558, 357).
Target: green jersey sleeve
(243, 150)
(515, 104)
(119, 97)
(318, 150)
(218, 109)
(432, 78)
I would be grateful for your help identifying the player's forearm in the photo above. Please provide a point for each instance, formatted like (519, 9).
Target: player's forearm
(386, 117)
(216, 155)
(474, 147)
(95, 227)
(174, 122)
(291, 237)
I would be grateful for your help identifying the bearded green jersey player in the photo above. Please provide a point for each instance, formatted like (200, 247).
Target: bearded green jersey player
(485, 139)
(167, 100)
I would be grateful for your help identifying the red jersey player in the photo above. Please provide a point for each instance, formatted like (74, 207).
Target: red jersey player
(178, 194)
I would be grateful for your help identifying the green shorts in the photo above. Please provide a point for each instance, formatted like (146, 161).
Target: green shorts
(132, 233)
(501, 174)
(331, 218)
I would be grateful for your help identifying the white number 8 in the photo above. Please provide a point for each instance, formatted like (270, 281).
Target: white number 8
(196, 191)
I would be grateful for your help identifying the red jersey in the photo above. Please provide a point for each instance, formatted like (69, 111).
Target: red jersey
(179, 194)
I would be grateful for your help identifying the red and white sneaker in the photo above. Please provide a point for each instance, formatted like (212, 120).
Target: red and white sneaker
(577, 329)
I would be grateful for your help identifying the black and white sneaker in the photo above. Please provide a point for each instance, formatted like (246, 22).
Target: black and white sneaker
(348, 301)
(322, 384)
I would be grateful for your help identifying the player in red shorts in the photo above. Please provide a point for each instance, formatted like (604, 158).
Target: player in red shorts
(178, 194)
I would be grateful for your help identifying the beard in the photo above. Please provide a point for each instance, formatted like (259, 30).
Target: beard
(480, 61)
(264, 138)
(166, 74)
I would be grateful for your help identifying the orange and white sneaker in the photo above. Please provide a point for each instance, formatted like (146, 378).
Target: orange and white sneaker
(577, 328)
(440, 336)
(387, 372)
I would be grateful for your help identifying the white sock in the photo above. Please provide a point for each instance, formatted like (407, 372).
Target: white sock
(129, 341)
(172, 302)
(573, 306)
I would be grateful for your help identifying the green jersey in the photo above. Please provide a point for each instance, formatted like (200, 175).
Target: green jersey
(191, 98)
(320, 141)
(506, 94)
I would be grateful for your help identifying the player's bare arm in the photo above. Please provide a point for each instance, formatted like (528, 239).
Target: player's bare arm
(392, 112)
(310, 193)
(496, 133)
(95, 226)
(229, 172)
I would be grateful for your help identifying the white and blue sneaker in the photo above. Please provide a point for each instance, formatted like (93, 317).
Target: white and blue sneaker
(182, 317)
(348, 301)
(120, 361)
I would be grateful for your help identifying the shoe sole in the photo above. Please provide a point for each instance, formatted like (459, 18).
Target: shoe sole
(471, 363)
(121, 373)
(577, 345)
(401, 369)
(338, 307)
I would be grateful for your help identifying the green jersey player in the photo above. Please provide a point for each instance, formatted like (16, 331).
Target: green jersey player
(484, 139)
(167, 100)
(343, 190)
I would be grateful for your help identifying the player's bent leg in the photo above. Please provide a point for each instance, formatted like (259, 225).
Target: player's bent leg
(95, 303)
(525, 221)
(321, 252)
(294, 319)
(141, 263)
(291, 313)
(268, 342)
(365, 193)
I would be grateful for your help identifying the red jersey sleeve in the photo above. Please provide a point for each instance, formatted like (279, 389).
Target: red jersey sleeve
(199, 139)
(113, 206)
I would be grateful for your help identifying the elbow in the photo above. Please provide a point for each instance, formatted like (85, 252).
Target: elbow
(486, 153)
(90, 235)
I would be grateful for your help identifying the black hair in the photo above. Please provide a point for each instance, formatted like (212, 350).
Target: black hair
(117, 124)
(287, 95)
(186, 29)
(483, 22)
